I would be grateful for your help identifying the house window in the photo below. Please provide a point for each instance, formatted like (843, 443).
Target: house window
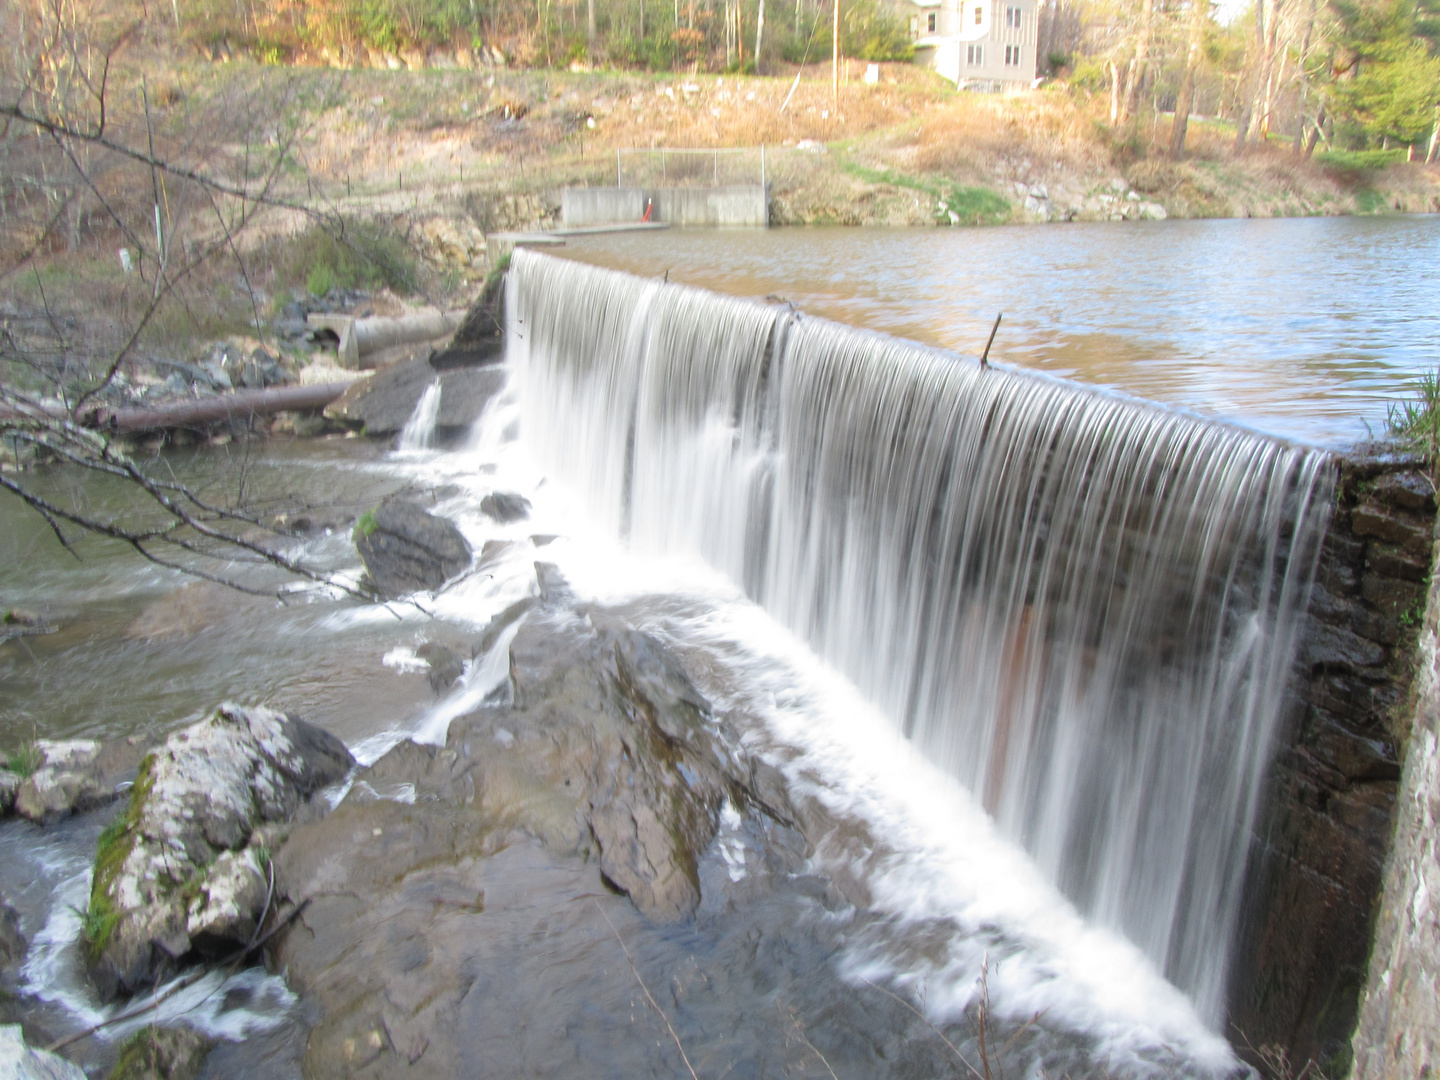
(979, 14)
(1012, 18)
(930, 22)
(975, 55)
(1012, 55)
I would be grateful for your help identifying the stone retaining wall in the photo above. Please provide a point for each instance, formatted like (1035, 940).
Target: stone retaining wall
(1398, 1037)
(1320, 857)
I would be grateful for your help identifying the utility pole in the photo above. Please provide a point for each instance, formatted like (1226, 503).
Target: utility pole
(835, 63)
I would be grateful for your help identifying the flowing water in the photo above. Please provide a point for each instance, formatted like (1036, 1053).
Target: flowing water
(419, 431)
(1024, 641)
(1081, 606)
(1300, 327)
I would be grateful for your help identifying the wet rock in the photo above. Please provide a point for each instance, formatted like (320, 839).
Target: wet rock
(9, 785)
(1373, 518)
(75, 775)
(499, 623)
(445, 666)
(12, 942)
(464, 393)
(505, 506)
(407, 549)
(22, 1062)
(179, 869)
(1333, 647)
(1411, 489)
(161, 1053)
(382, 403)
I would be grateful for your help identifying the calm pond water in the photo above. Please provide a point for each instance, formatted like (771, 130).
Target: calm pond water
(1303, 327)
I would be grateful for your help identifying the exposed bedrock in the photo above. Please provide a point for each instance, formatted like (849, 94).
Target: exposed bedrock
(603, 772)
(183, 868)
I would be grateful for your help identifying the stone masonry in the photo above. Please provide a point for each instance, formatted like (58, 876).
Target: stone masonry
(1319, 861)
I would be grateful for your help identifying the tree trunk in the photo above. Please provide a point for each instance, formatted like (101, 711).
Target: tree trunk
(590, 21)
(206, 411)
(1185, 101)
(1304, 79)
(1434, 139)
(759, 34)
(1315, 132)
(1114, 92)
(1267, 28)
(1136, 73)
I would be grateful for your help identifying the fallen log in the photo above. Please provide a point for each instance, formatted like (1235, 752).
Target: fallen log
(202, 412)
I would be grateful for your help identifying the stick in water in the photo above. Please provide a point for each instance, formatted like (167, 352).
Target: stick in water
(985, 356)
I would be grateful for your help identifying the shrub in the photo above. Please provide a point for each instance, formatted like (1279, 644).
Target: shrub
(350, 256)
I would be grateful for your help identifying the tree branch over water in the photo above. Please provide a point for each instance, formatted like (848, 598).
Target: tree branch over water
(88, 163)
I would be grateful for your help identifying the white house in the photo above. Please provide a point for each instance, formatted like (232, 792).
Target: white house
(981, 43)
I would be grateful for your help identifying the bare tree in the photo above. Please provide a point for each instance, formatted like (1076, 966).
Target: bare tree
(1185, 100)
(88, 162)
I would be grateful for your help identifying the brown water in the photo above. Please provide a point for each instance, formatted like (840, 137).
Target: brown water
(1299, 327)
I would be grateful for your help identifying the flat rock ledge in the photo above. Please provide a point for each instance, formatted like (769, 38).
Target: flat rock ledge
(183, 869)
(602, 771)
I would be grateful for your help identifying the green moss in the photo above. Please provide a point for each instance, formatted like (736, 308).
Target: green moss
(111, 851)
(366, 525)
(492, 279)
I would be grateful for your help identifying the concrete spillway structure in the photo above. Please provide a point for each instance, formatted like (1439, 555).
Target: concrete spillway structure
(1090, 609)
(731, 204)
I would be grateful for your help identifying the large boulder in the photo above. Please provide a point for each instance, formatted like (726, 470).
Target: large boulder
(13, 945)
(183, 868)
(407, 549)
(464, 393)
(382, 403)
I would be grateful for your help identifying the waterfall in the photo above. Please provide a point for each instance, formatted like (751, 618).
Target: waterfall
(1081, 605)
(419, 431)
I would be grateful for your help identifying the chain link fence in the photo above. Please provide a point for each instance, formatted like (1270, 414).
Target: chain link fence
(663, 166)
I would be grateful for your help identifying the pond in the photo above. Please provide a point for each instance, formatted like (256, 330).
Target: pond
(1299, 327)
